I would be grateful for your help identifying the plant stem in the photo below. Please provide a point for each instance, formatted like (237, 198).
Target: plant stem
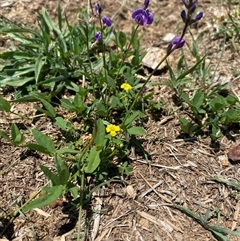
(155, 69)
(81, 206)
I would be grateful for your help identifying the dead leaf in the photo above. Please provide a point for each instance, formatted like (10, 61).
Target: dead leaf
(131, 192)
(234, 153)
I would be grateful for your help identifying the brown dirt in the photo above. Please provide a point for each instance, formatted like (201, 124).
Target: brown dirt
(182, 168)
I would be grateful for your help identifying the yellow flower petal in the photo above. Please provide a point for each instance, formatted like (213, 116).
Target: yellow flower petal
(112, 129)
(126, 86)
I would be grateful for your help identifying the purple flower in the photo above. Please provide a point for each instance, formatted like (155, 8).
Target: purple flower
(142, 16)
(98, 8)
(187, 16)
(98, 36)
(106, 21)
(176, 43)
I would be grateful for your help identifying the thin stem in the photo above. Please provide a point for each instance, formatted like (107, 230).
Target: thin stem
(156, 68)
(81, 205)
(126, 51)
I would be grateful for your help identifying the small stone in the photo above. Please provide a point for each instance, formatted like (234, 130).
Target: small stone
(168, 37)
(153, 57)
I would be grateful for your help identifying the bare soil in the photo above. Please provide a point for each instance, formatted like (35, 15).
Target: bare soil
(182, 168)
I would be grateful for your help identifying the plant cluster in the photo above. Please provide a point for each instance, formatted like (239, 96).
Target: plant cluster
(88, 70)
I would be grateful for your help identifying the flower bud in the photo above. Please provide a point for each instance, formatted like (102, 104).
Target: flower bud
(98, 8)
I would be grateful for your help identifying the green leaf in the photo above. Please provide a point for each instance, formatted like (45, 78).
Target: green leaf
(74, 191)
(50, 110)
(198, 99)
(40, 61)
(60, 164)
(190, 70)
(36, 147)
(51, 176)
(99, 133)
(16, 135)
(79, 104)
(52, 194)
(231, 99)
(4, 105)
(218, 103)
(93, 160)
(64, 176)
(67, 151)
(187, 126)
(67, 104)
(136, 130)
(44, 140)
(134, 116)
(4, 135)
(230, 116)
(121, 39)
(61, 123)
(216, 132)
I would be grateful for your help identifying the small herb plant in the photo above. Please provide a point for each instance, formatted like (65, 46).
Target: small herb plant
(89, 71)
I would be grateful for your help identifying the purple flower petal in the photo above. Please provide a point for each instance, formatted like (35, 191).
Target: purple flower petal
(140, 16)
(176, 43)
(107, 21)
(198, 16)
(184, 15)
(150, 17)
(98, 36)
(98, 8)
(192, 8)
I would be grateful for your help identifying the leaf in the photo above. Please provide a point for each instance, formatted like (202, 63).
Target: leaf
(50, 175)
(231, 99)
(198, 99)
(100, 133)
(67, 151)
(218, 103)
(230, 116)
(36, 147)
(16, 135)
(79, 104)
(187, 126)
(61, 123)
(44, 140)
(49, 107)
(4, 105)
(135, 115)
(190, 70)
(93, 160)
(136, 130)
(121, 39)
(216, 132)
(4, 135)
(52, 194)
(38, 67)
(64, 176)
(67, 104)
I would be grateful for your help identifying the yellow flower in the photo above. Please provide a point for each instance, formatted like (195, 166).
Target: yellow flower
(126, 86)
(112, 129)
